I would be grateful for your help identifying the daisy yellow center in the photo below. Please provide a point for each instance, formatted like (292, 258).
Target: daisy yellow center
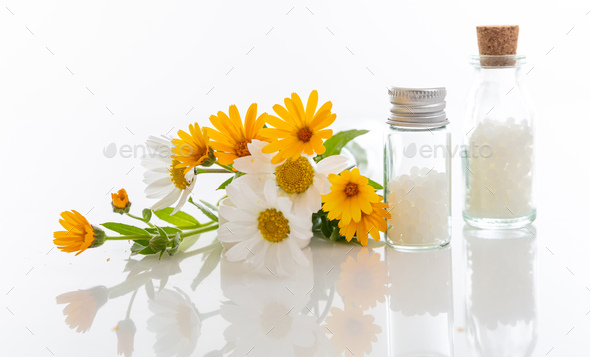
(273, 226)
(295, 176)
(242, 148)
(351, 189)
(304, 135)
(177, 176)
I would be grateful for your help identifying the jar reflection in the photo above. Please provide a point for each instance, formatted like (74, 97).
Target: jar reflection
(501, 303)
(421, 303)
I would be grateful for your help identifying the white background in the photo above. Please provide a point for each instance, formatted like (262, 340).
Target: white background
(77, 76)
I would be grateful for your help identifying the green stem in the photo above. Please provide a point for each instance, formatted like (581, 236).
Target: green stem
(207, 227)
(199, 230)
(129, 237)
(213, 171)
(225, 167)
(140, 219)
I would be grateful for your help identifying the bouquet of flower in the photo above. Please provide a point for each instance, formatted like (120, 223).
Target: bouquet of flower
(287, 180)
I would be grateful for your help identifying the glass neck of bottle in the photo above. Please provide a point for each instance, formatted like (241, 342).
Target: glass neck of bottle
(504, 75)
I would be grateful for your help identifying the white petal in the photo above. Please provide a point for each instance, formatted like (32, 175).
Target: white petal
(296, 253)
(270, 192)
(167, 200)
(241, 250)
(332, 165)
(185, 193)
(243, 197)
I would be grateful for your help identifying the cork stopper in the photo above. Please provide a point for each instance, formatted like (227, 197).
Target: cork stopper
(497, 41)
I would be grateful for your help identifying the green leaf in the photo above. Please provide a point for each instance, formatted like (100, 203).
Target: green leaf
(225, 183)
(335, 234)
(375, 185)
(125, 229)
(147, 214)
(162, 233)
(180, 219)
(210, 205)
(325, 227)
(175, 245)
(205, 210)
(144, 242)
(169, 230)
(335, 144)
(359, 154)
(136, 247)
(147, 251)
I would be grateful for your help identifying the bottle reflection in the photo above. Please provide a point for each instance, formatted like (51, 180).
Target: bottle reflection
(501, 304)
(421, 302)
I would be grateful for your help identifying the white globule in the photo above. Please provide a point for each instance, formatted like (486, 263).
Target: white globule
(419, 207)
(500, 185)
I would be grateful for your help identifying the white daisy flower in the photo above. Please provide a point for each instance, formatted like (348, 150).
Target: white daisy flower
(164, 181)
(262, 229)
(302, 180)
(176, 323)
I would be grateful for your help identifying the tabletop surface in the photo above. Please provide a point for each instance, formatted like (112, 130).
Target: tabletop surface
(83, 86)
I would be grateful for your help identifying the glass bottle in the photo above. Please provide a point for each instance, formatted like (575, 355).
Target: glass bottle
(498, 160)
(418, 169)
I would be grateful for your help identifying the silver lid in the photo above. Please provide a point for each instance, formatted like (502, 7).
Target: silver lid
(417, 107)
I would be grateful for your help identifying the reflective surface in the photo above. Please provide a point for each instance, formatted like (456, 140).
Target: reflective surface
(477, 297)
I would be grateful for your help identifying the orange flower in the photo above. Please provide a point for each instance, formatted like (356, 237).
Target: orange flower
(120, 202)
(191, 149)
(298, 130)
(78, 235)
(231, 139)
(371, 223)
(350, 195)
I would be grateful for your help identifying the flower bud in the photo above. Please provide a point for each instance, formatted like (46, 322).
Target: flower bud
(159, 243)
(120, 202)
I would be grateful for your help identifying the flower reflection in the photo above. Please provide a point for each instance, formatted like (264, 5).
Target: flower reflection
(125, 337)
(353, 332)
(501, 303)
(363, 282)
(82, 306)
(158, 268)
(176, 323)
(268, 315)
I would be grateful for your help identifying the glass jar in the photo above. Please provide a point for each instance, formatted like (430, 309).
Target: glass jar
(498, 160)
(418, 169)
